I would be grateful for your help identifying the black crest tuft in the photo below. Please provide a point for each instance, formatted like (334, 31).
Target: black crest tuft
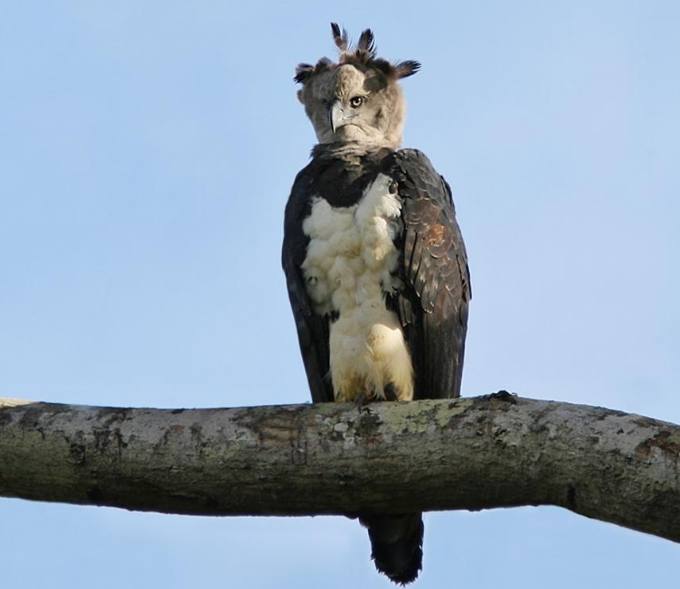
(364, 57)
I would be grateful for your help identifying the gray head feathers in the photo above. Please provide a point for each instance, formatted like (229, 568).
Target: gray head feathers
(356, 99)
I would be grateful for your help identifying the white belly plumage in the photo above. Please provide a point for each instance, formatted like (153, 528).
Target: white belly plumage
(348, 270)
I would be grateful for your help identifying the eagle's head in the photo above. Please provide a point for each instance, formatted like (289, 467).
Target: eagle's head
(357, 99)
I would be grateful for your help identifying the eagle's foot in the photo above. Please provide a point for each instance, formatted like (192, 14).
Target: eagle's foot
(361, 400)
(504, 396)
(390, 393)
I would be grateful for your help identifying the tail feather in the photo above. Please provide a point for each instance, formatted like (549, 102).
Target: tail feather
(396, 544)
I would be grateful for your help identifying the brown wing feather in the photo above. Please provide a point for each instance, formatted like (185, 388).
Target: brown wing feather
(433, 304)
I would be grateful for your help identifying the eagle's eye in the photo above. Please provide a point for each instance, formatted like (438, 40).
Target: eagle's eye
(357, 101)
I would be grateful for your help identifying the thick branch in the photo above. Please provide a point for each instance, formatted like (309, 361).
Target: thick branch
(473, 453)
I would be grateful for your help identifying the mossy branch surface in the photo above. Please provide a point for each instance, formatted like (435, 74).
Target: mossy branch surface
(473, 453)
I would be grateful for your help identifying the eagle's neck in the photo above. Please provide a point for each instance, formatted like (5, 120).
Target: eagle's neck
(349, 150)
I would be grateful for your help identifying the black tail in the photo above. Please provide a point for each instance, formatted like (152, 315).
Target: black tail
(396, 544)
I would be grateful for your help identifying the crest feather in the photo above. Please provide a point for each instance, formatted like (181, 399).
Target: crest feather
(366, 45)
(340, 38)
(305, 70)
(404, 69)
(364, 57)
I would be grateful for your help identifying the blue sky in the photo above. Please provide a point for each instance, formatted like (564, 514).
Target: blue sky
(146, 154)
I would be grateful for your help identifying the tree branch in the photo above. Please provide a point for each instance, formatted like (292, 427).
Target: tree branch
(471, 453)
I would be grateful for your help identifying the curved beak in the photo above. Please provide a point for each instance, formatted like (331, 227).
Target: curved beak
(337, 116)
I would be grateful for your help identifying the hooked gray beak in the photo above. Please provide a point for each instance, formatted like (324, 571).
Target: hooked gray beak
(337, 116)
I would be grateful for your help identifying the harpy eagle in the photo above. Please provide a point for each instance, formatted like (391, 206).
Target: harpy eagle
(375, 263)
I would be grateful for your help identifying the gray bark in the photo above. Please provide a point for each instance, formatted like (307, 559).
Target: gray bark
(471, 453)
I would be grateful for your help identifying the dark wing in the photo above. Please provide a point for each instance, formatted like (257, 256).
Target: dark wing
(433, 303)
(312, 328)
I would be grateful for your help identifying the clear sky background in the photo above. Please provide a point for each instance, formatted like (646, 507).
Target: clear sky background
(146, 154)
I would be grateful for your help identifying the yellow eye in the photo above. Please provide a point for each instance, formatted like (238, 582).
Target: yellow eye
(357, 101)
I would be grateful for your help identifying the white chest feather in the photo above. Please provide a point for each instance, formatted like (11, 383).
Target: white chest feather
(348, 271)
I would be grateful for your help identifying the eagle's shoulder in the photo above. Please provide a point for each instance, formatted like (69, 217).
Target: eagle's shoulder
(411, 158)
(413, 168)
(410, 154)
